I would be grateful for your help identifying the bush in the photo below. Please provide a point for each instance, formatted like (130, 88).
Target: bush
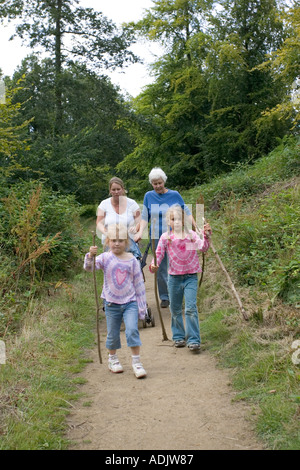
(40, 239)
(263, 245)
(31, 216)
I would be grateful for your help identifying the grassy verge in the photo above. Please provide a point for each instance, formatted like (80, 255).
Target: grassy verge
(39, 380)
(259, 355)
(254, 213)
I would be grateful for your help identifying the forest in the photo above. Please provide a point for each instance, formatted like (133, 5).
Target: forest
(221, 117)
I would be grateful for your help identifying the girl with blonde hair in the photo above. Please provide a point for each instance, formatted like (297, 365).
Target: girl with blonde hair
(181, 245)
(124, 295)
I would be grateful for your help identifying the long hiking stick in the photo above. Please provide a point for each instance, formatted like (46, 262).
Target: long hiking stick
(241, 308)
(97, 303)
(165, 337)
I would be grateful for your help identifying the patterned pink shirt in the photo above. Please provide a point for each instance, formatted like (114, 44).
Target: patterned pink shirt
(182, 253)
(123, 280)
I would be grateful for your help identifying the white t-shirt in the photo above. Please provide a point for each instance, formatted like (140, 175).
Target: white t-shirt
(111, 217)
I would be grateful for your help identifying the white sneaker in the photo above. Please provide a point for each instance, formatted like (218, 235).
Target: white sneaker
(139, 370)
(115, 366)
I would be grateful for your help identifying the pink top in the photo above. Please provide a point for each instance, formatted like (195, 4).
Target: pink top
(182, 254)
(123, 280)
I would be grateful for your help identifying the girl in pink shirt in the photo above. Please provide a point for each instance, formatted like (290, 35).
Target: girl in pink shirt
(181, 246)
(124, 295)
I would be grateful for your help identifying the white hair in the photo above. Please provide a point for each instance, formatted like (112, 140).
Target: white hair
(156, 174)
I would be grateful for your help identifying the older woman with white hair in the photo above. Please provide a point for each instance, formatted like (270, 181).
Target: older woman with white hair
(155, 206)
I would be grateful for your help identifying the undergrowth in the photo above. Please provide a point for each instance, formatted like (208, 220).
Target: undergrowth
(263, 374)
(45, 354)
(255, 217)
(39, 381)
(254, 213)
(40, 241)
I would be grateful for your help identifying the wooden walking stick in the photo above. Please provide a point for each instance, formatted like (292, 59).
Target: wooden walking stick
(97, 302)
(165, 337)
(202, 270)
(241, 308)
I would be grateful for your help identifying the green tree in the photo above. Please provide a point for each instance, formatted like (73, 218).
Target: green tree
(174, 22)
(68, 32)
(12, 137)
(284, 65)
(91, 143)
(208, 97)
(243, 32)
(175, 105)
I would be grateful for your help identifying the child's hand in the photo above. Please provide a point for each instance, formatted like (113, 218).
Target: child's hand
(93, 251)
(207, 230)
(153, 268)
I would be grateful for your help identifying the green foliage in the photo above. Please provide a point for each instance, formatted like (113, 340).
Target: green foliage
(93, 37)
(207, 109)
(246, 180)
(37, 384)
(172, 22)
(259, 220)
(31, 212)
(40, 238)
(284, 64)
(264, 245)
(12, 137)
(81, 160)
(262, 373)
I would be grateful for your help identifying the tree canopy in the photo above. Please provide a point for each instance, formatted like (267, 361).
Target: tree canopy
(204, 113)
(225, 91)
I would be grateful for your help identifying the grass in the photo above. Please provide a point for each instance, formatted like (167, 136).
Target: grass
(39, 381)
(259, 355)
(255, 218)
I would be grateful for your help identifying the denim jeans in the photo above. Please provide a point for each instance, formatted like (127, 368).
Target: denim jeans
(134, 249)
(162, 277)
(184, 287)
(115, 313)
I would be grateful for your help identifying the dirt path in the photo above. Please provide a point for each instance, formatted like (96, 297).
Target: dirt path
(184, 403)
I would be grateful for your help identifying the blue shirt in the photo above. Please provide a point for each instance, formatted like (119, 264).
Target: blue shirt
(155, 208)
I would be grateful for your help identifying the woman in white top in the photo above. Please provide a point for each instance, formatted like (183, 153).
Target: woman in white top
(119, 209)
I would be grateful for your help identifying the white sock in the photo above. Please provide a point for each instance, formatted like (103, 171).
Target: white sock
(112, 357)
(136, 359)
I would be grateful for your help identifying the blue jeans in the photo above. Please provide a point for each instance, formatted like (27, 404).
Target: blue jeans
(162, 277)
(115, 313)
(134, 249)
(184, 287)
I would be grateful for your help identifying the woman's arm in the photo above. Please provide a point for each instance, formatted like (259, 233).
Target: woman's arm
(137, 222)
(142, 225)
(100, 221)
